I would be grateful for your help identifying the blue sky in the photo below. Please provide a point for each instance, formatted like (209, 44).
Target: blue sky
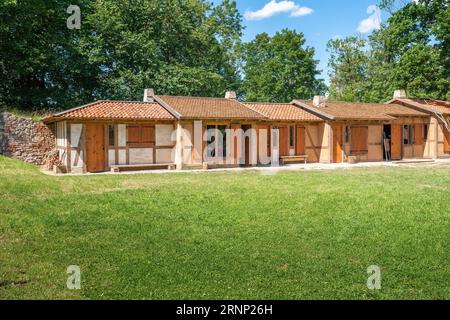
(319, 20)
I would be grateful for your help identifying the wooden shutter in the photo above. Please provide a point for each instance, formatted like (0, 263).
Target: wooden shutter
(148, 134)
(300, 143)
(337, 144)
(284, 141)
(359, 139)
(418, 134)
(133, 134)
(140, 135)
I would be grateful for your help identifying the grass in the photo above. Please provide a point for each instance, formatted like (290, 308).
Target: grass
(229, 235)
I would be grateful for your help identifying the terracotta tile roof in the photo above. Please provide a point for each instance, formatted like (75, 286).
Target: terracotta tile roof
(362, 111)
(133, 110)
(282, 111)
(210, 108)
(429, 105)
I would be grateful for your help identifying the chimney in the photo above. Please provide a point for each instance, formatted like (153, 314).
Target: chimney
(149, 95)
(400, 94)
(231, 95)
(319, 101)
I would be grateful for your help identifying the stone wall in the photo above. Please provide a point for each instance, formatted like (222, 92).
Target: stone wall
(25, 139)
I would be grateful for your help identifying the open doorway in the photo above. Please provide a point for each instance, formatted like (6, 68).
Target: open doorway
(387, 138)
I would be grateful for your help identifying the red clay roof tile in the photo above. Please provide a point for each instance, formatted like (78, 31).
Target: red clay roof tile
(282, 111)
(363, 111)
(132, 110)
(210, 108)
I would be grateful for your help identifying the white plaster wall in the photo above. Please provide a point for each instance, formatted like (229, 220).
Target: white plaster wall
(73, 159)
(311, 140)
(122, 157)
(187, 134)
(61, 134)
(61, 141)
(325, 133)
(75, 134)
(275, 146)
(111, 157)
(163, 133)
(141, 155)
(164, 156)
(198, 142)
(122, 135)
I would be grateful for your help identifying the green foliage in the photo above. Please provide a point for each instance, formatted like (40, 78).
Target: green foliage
(348, 69)
(173, 46)
(279, 68)
(410, 52)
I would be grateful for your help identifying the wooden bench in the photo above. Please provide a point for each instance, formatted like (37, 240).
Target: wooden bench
(139, 167)
(293, 159)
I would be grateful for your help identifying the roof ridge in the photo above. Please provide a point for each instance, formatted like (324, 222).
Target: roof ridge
(195, 97)
(278, 103)
(127, 101)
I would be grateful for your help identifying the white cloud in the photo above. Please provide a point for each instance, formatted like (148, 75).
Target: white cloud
(273, 8)
(371, 23)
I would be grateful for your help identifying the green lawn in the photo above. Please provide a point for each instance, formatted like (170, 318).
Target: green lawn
(229, 235)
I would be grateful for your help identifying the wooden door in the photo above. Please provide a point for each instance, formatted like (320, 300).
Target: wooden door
(446, 140)
(284, 141)
(337, 144)
(396, 142)
(95, 147)
(300, 143)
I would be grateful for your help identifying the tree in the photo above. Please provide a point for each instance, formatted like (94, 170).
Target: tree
(39, 65)
(280, 68)
(123, 46)
(410, 51)
(348, 69)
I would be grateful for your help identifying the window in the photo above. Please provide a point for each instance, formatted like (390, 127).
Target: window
(140, 135)
(291, 136)
(408, 134)
(359, 140)
(111, 135)
(425, 132)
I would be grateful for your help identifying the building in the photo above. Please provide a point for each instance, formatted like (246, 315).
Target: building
(438, 128)
(194, 132)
